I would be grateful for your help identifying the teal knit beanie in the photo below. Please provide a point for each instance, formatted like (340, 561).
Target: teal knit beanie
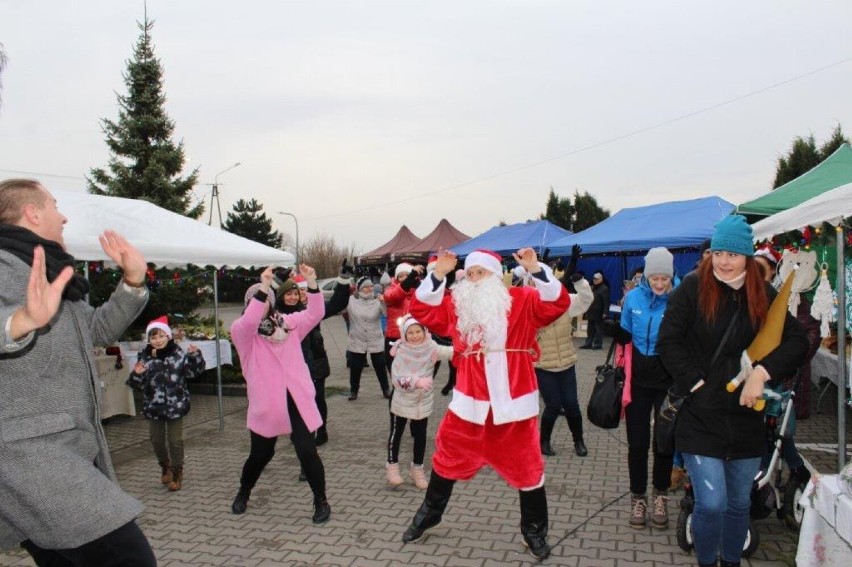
(733, 234)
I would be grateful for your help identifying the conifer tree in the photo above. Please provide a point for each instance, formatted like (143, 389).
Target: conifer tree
(249, 221)
(144, 161)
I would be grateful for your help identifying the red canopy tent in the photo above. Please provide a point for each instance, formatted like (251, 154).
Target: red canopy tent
(444, 235)
(382, 254)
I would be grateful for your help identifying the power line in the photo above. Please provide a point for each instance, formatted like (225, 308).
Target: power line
(592, 146)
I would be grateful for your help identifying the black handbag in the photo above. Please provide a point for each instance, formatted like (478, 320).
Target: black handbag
(665, 421)
(604, 409)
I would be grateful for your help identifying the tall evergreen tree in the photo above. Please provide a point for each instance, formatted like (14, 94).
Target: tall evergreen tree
(249, 221)
(559, 210)
(587, 212)
(144, 162)
(804, 156)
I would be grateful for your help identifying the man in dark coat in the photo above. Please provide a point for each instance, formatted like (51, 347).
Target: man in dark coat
(596, 313)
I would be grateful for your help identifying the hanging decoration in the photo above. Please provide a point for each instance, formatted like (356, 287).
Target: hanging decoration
(803, 262)
(824, 307)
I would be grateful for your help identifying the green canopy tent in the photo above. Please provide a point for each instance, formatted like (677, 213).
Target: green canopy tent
(834, 171)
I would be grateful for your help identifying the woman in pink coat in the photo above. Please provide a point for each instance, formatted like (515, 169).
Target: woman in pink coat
(279, 386)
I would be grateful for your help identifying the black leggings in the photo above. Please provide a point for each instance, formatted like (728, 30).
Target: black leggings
(357, 360)
(263, 449)
(126, 546)
(322, 406)
(638, 420)
(418, 432)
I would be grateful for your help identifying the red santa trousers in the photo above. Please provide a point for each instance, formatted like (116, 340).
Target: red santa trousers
(511, 449)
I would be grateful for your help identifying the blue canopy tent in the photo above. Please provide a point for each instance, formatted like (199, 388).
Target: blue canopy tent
(507, 239)
(618, 244)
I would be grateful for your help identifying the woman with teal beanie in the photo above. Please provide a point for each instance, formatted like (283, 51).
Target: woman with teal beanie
(712, 317)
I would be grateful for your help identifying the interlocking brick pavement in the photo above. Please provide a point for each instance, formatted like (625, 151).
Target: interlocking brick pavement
(587, 497)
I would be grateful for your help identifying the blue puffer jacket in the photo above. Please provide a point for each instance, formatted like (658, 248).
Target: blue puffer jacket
(642, 314)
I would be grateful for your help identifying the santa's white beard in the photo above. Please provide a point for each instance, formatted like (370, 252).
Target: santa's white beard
(481, 308)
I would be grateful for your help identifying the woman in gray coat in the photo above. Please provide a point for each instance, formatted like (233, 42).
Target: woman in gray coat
(365, 336)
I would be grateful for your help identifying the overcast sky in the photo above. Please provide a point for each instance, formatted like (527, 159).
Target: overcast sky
(360, 116)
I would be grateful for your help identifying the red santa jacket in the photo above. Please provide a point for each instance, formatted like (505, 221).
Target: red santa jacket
(397, 300)
(502, 379)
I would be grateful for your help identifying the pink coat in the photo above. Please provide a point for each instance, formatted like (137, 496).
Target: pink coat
(272, 369)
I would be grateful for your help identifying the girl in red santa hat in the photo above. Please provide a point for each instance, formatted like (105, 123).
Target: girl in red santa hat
(161, 372)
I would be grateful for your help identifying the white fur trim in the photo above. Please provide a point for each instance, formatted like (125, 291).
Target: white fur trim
(163, 327)
(425, 293)
(485, 260)
(549, 290)
(539, 485)
(469, 408)
(404, 268)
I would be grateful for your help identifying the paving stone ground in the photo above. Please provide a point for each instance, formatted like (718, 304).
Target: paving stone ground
(588, 497)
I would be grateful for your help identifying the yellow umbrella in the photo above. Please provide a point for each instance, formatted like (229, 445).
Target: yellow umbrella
(768, 337)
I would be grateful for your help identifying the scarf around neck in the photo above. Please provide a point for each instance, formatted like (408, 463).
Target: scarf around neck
(21, 242)
(414, 361)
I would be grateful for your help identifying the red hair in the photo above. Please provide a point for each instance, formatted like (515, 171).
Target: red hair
(710, 293)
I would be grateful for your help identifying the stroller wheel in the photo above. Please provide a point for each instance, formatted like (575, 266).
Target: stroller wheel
(752, 541)
(793, 511)
(684, 529)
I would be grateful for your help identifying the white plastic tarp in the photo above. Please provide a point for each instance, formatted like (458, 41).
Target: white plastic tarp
(830, 207)
(164, 238)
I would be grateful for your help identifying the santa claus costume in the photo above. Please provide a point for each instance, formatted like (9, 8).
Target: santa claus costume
(493, 416)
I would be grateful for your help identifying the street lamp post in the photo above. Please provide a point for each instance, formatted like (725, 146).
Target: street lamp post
(297, 232)
(215, 195)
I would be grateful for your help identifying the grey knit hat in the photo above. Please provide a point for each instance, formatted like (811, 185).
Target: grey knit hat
(659, 261)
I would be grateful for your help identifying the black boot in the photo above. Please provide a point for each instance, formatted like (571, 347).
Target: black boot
(432, 510)
(714, 564)
(322, 436)
(575, 424)
(547, 424)
(322, 511)
(534, 522)
(724, 563)
(241, 500)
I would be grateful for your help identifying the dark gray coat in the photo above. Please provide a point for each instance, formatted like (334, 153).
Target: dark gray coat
(57, 484)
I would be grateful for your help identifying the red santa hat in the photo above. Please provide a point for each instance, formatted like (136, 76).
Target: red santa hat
(769, 253)
(161, 323)
(403, 268)
(484, 259)
(433, 261)
(301, 282)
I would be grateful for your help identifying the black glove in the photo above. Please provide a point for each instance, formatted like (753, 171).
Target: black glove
(346, 271)
(451, 279)
(575, 253)
(283, 274)
(410, 281)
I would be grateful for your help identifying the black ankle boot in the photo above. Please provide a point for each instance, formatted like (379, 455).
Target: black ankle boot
(534, 522)
(322, 511)
(547, 424)
(322, 436)
(432, 510)
(580, 447)
(724, 563)
(241, 500)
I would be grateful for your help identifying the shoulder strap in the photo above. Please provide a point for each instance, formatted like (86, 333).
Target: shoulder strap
(725, 336)
(610, 352)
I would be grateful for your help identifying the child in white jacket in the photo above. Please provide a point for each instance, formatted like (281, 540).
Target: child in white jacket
(415, 355)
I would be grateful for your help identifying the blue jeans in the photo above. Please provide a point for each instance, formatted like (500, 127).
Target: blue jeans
(722, 501)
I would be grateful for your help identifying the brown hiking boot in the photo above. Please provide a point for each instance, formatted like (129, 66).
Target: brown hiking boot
(678, 478)
(166, 472)
(177, 479)
(660, 513)
(638, 511)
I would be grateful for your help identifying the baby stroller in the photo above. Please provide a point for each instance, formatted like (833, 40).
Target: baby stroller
(768, 492)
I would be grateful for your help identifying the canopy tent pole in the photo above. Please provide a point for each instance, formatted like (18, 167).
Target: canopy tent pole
(842, 382)
(218, 349)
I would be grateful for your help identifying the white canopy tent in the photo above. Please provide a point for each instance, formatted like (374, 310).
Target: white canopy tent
(830, 207)
(164, 238)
